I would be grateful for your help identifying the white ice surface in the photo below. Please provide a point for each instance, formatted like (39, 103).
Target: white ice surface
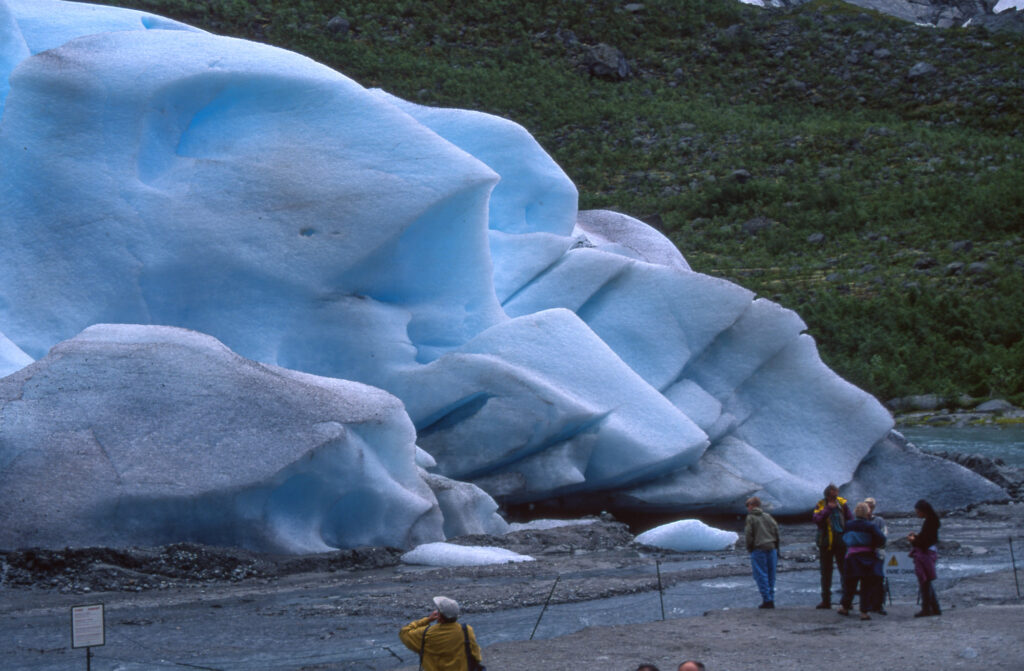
(688, 536)
(11, 357)
(466, 508)
(447, 554)
(622, 234)
(543, 397)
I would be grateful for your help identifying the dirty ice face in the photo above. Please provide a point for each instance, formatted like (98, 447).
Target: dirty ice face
(154, 174)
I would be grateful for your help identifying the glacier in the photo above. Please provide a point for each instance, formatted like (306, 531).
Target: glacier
(162, 187)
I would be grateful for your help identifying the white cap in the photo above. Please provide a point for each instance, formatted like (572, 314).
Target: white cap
(447, 607)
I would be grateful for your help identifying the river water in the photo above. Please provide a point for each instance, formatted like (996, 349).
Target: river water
(996, 442)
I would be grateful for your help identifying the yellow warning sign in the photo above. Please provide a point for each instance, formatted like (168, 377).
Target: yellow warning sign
(898, 563)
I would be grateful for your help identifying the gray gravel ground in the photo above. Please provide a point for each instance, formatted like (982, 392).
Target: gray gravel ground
(188, 607)
(789, 638)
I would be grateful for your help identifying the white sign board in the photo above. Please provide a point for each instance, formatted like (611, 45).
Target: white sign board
(898, 563)
(87, 626)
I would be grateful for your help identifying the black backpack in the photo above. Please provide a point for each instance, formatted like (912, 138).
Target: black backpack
(471, 662)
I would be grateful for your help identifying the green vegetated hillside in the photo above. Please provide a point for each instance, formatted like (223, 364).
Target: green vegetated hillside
(865, 172)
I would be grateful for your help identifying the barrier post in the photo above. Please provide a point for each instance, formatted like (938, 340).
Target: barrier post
(661, 592)
(1013, 559)
(546, 601)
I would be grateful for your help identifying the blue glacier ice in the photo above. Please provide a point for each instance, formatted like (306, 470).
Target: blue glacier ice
(156, 175)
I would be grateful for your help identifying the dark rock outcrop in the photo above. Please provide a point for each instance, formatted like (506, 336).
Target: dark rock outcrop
(940, 13)
(899, 473)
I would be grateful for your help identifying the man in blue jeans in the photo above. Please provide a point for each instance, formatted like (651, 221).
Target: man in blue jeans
(762, 536)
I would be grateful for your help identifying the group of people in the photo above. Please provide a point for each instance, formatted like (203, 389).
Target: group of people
(688, 665)
(855, 544)
(852, 542)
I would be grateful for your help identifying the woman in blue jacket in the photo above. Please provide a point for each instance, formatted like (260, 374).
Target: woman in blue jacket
(863, 566)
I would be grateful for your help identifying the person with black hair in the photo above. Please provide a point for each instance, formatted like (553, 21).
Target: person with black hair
(647, 667)
(925, 554)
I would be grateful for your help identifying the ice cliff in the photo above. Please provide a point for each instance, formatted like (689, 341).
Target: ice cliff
(338, 241)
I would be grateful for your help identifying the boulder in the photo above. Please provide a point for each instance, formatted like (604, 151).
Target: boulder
(606, 62)
(921, 70)
(995, 405)
(897, 474)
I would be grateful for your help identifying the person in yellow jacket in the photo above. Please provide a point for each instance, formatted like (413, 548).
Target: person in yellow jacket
(440, 641)
(831, 515)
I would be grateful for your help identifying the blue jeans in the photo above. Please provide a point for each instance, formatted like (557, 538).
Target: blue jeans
(763, 563)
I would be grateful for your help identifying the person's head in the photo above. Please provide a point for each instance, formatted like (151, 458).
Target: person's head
(447, 608)
(862, 511)
(924, 509)
(831, 492)
(753, 502)
(871, 504)
(647, 667)
(691, 665)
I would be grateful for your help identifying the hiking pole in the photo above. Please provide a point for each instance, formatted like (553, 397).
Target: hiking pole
(661, 592)
(1014, 560)
(548, 600)
(393, 653)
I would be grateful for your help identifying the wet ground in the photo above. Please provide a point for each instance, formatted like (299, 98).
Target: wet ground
(196, 608)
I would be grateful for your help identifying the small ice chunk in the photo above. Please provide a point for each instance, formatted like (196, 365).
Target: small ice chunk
(447, 554)
(541, 525)
(688, 536)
